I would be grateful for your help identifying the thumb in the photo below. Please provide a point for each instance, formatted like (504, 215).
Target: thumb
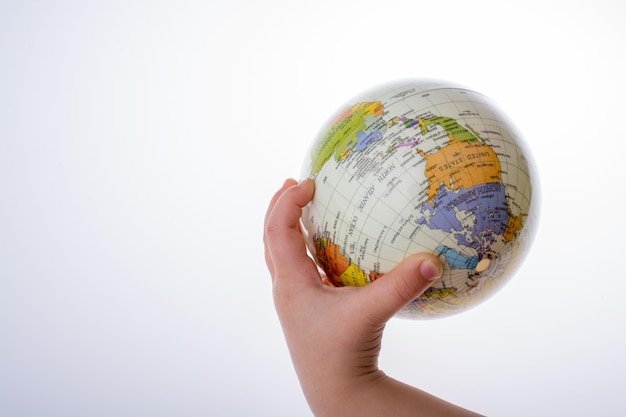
(408, 280)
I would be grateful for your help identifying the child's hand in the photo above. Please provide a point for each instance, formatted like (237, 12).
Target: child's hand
(334, 334)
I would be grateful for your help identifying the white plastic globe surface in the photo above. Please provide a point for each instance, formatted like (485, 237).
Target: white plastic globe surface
(421, 166)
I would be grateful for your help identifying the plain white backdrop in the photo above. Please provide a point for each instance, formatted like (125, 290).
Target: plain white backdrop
(141, 141)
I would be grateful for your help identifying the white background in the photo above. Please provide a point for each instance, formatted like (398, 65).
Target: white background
(141, 141)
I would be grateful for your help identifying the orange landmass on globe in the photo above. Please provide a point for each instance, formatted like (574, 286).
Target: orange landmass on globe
(460, 165)
(513, 227)
(466, 161)
(366, 108)
(338, 267)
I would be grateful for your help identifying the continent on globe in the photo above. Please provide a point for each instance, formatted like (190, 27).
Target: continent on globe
(353, 129)
(340, 267)
(465, 175)
(421, 166)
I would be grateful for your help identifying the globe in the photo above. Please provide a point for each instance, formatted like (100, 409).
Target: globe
(421, 166)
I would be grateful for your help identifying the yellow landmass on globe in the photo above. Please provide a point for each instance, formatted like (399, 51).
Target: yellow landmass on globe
(337, 266)
(354, 276)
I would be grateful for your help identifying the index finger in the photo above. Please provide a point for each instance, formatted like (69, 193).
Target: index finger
(286, 185)
(284, 245)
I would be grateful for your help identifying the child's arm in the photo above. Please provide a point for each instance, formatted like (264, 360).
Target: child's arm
(334, 334)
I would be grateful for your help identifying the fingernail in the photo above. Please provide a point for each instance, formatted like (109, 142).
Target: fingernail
(430, 271)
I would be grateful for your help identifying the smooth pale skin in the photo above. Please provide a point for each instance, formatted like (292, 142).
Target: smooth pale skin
(334, 334)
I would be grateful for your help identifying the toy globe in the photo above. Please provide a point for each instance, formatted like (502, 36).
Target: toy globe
(421, 166)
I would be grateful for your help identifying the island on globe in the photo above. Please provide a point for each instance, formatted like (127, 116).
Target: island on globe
(421, 166)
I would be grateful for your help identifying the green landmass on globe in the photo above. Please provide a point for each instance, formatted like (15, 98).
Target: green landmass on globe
(421, 166)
